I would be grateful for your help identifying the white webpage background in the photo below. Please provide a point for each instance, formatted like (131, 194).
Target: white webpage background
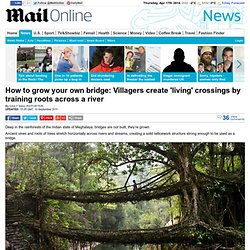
(114, 15)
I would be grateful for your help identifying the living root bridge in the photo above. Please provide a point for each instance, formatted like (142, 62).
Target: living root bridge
(105, 197)
(174, 234)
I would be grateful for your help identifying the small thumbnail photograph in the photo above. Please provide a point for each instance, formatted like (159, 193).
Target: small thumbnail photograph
(142, 59)
(43, 57)
(225, 57)
(207, 59)
(176, 58)
(34, 59)
(106, 59)
(70, 59)
(26, 59)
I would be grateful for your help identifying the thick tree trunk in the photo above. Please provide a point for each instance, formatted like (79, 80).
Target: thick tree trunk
(190, 190)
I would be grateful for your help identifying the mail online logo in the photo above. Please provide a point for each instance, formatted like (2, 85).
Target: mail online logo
(16, 3)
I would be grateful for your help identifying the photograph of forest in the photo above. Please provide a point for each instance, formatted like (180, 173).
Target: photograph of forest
(125, 196)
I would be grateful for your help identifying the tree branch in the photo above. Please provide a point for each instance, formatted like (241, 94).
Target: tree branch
(180, 233)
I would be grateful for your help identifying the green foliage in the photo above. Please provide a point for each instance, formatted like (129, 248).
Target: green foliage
(201, 236)
(63, 213)
(150, 214)
(241, 227)
(132, 215)
(36, 169)
(219, 185)
(112, 218)
(219, 158)
(150, 220)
